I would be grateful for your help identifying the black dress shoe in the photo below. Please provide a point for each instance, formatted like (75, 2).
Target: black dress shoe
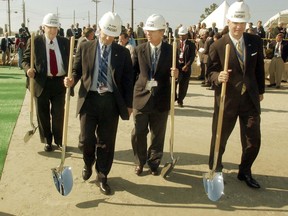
(86, 172)
(271, 85)
(249, 180)
(104, 187)
(138, 170)
(154, 172)
(48, 147)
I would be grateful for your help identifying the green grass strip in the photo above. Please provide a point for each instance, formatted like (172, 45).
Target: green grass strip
(12, 92)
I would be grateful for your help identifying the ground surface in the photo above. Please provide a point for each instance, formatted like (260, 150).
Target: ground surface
(27, 187)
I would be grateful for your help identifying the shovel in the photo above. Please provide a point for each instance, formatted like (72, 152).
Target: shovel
(213, 181)
(168, 167)
(62, 175)
(30, 133)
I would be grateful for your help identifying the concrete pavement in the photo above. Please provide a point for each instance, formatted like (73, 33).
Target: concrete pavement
(27, 188)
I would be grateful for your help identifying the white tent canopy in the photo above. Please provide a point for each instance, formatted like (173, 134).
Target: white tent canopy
(279, 17)
(218, 16)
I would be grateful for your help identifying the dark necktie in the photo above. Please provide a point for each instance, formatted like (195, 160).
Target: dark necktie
(154, 59)
(102, 78)
(53, 60)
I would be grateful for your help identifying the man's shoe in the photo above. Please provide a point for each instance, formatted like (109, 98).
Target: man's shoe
(104, 187)
(86, 172)
(154, 172)
(206, 85)
(278, 87)
(180, 105)
(138, 169)
(271, 85)
(249, 180)
(48, 147)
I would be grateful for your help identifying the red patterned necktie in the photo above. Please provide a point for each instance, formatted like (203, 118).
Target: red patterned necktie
(53, 61)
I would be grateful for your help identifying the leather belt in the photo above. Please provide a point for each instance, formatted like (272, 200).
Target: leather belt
(101, 94)
(55, 77)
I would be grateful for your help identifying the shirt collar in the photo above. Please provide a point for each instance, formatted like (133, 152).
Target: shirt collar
(158, 46)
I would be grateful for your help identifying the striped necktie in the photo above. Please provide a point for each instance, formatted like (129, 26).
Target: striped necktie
(154, 59)
(102, 77)
(241, 61)
(240, 54)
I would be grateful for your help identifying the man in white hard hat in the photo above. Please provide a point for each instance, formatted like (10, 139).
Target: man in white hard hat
(105, 70)
(151, 98)
(245, 88)
(51, 66)
(186, 50)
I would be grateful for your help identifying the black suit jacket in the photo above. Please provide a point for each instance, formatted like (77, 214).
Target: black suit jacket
(40, 64)
(122, 74)
(4, 44)
(253, 74)
(189, 53)
(142, 68)
(284, 49)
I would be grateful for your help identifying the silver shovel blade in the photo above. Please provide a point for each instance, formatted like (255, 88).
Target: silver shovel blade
(214, 187)
(63, 180)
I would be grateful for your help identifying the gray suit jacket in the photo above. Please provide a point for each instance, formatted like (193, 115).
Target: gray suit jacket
(122, 74)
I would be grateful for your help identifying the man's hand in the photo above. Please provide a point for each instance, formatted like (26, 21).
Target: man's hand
(68, 82)
(30, 73)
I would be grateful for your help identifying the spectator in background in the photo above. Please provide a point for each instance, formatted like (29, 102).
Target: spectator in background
(20, 46)
(213, 29)
(225, 30)
(277, 67)
(124, 41)
(192, 32)
(70, 32)
(186, 50)
(176, 35)
(78, 31)
(6, 43)
(278, 29)
(286, 32)
(260, 30)
(24, 31)
(60, 31)
(87, 34)
(130, 34)
(140, 34)
(40, 31)
(250, 28)
(168, 30)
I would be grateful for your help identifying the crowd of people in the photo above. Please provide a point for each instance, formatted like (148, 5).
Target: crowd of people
(125, 72)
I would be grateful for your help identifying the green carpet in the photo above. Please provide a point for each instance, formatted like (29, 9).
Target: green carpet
(12, 92)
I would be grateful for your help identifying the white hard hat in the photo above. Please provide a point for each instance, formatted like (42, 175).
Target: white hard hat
(155, 22)
(110, 23)
(51, 20)
(238, 12)
(182, 30)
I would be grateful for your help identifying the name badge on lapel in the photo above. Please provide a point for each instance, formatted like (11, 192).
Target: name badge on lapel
(150, 84)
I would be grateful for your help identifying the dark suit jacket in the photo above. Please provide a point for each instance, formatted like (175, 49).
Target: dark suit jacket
(253, 75)
(41, 60)
(284, 49)
(142, 67)
(122, 74)
(189, 53)
(4, 44)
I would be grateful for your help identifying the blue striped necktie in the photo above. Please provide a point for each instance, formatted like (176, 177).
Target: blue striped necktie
(102, 77)
(154, 59)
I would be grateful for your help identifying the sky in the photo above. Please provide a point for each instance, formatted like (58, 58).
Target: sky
(185, 12)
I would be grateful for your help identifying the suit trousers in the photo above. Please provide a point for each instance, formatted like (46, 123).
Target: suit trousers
(276, 69)
(99, 118)
(182, 85)
(51, 103)
(156, 121)
(249, 120)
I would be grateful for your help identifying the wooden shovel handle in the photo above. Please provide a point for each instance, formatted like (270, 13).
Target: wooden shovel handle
(221, 110)
(67, 103)
(31, 80)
